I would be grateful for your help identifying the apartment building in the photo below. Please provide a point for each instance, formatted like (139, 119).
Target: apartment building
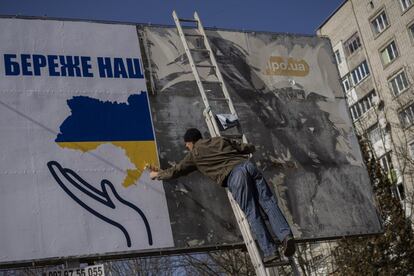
(373, 43)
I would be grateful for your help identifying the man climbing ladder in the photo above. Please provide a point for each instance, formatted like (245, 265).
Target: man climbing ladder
(226, 161)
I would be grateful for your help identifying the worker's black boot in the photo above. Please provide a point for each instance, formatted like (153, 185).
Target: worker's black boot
(288, 246)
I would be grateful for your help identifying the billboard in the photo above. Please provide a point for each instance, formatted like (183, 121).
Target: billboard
(78, 125)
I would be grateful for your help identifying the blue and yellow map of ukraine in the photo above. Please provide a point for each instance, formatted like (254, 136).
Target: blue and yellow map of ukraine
(124, 125)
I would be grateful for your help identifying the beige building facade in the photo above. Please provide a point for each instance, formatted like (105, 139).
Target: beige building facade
(373, 42)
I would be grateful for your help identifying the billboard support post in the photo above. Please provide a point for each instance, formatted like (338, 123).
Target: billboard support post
(72, 263)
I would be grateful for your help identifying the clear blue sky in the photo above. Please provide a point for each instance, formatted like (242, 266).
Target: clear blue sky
(292, 16)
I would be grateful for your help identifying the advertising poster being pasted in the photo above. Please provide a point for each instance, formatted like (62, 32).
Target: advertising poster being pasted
(286, 91)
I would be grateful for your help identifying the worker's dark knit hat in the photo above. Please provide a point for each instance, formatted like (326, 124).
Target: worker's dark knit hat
(192, 135)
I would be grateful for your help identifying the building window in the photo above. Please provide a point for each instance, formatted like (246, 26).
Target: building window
(397, 191)
(380, 23)
(385, 162)
(374, 134)
(352, 44)
(389, 53)
(407, 116)
(345, 84)
(360, 72)
(363, 105)
(338, 57)
(398, 83)
(405, 4)
(355, 111)
(401, 192)
(411, 31)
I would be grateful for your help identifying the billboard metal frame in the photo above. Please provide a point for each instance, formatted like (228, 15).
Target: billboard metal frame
(148, 253)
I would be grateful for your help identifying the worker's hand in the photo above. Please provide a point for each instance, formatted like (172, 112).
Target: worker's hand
(153, 170)
(151, 167)
(153, 175)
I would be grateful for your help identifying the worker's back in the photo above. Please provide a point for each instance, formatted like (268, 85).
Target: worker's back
(216, 157)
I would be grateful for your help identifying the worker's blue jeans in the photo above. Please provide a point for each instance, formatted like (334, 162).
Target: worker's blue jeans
(249, 188)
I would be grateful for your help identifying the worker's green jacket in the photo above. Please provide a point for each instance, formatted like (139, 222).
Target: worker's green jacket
(214, 157)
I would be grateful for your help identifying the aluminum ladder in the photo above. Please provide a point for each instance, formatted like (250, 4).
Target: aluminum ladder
(214, 128)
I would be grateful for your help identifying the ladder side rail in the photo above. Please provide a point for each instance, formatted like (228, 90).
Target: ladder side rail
(213, 123)
(247, 237)
(217, 70)
(214, 132)
(214, 62)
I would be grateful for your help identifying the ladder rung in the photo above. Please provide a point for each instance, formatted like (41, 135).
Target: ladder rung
(188, 20)
(196, 35)
(218, 99)
(212, 82)
(199, 50)
(205, 66)
(232, 136)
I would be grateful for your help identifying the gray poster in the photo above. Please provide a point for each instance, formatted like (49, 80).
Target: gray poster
(286, 92)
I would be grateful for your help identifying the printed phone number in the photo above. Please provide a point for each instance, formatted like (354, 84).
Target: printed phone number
(90, 271)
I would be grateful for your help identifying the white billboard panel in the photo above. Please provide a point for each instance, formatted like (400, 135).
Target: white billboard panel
(76, 132)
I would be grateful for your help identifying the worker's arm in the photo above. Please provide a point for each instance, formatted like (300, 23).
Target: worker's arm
(184, 167)
(244, 148)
